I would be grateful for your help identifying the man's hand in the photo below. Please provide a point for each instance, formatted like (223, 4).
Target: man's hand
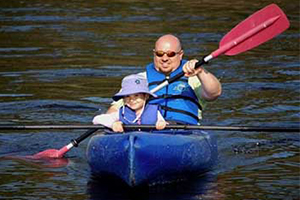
(189, 68)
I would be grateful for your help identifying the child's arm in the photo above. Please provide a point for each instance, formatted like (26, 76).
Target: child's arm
(161, 122)
(110, 120)
(117, 126)
(106, 119)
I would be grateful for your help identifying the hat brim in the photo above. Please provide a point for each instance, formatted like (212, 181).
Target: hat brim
(122, 94)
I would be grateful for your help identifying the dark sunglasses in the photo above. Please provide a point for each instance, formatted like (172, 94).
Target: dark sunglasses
(168, 53)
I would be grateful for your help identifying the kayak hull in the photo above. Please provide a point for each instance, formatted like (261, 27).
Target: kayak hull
(140, 158)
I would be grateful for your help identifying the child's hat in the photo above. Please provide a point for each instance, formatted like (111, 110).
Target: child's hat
(133, 84)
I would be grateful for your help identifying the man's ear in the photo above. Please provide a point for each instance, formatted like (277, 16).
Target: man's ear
(181, 54)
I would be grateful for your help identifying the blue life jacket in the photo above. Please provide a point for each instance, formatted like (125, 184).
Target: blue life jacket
(149, 115)
(177, 100)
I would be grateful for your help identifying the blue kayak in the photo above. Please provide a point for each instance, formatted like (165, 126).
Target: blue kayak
(140, 158)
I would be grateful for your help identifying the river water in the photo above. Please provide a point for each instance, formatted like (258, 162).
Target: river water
(61, 61)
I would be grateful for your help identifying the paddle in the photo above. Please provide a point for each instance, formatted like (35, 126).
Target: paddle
(253, 31)
(54, 153)
(258, 28)
(151, 127)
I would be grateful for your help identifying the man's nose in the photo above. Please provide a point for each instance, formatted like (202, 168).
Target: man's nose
(165, 57)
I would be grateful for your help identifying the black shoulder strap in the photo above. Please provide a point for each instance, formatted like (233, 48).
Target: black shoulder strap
(165, 96)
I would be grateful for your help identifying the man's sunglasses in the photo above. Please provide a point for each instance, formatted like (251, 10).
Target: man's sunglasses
(168, 53)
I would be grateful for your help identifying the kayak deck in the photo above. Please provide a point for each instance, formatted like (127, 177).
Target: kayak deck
(152, 158)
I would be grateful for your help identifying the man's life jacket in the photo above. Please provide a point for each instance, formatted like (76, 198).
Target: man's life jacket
(177, 100)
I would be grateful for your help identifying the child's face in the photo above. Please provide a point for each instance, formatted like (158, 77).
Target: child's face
(135, 101)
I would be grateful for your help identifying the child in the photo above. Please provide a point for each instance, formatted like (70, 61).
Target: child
(135, 110)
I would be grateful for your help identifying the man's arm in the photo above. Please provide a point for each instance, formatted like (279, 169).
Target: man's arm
(211, 87)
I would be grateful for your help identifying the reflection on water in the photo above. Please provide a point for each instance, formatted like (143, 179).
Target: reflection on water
(39, 163)
(114, 189)
(61, 61)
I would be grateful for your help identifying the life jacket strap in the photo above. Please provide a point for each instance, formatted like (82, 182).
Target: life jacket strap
(166, 108)
(159, 82)
(168, 96)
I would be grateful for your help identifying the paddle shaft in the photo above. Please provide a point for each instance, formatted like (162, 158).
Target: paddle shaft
(94, 128)
(76, 141)
(181, 74)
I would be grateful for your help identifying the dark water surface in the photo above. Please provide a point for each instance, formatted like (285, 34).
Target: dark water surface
(61, 61)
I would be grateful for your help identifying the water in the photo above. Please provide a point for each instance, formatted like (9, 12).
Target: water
(61, 61)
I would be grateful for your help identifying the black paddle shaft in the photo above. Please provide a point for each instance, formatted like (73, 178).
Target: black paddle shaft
(82, 137)
(181, 74)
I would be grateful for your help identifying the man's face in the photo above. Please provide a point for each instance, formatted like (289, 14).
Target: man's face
(167, 56)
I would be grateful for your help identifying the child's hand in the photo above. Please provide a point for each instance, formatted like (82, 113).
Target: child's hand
(161, 124)
(117, 126)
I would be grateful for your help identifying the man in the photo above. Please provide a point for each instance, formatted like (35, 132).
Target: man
(181, 101)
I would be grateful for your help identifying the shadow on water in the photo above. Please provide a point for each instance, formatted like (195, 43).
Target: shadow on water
(114, 189)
